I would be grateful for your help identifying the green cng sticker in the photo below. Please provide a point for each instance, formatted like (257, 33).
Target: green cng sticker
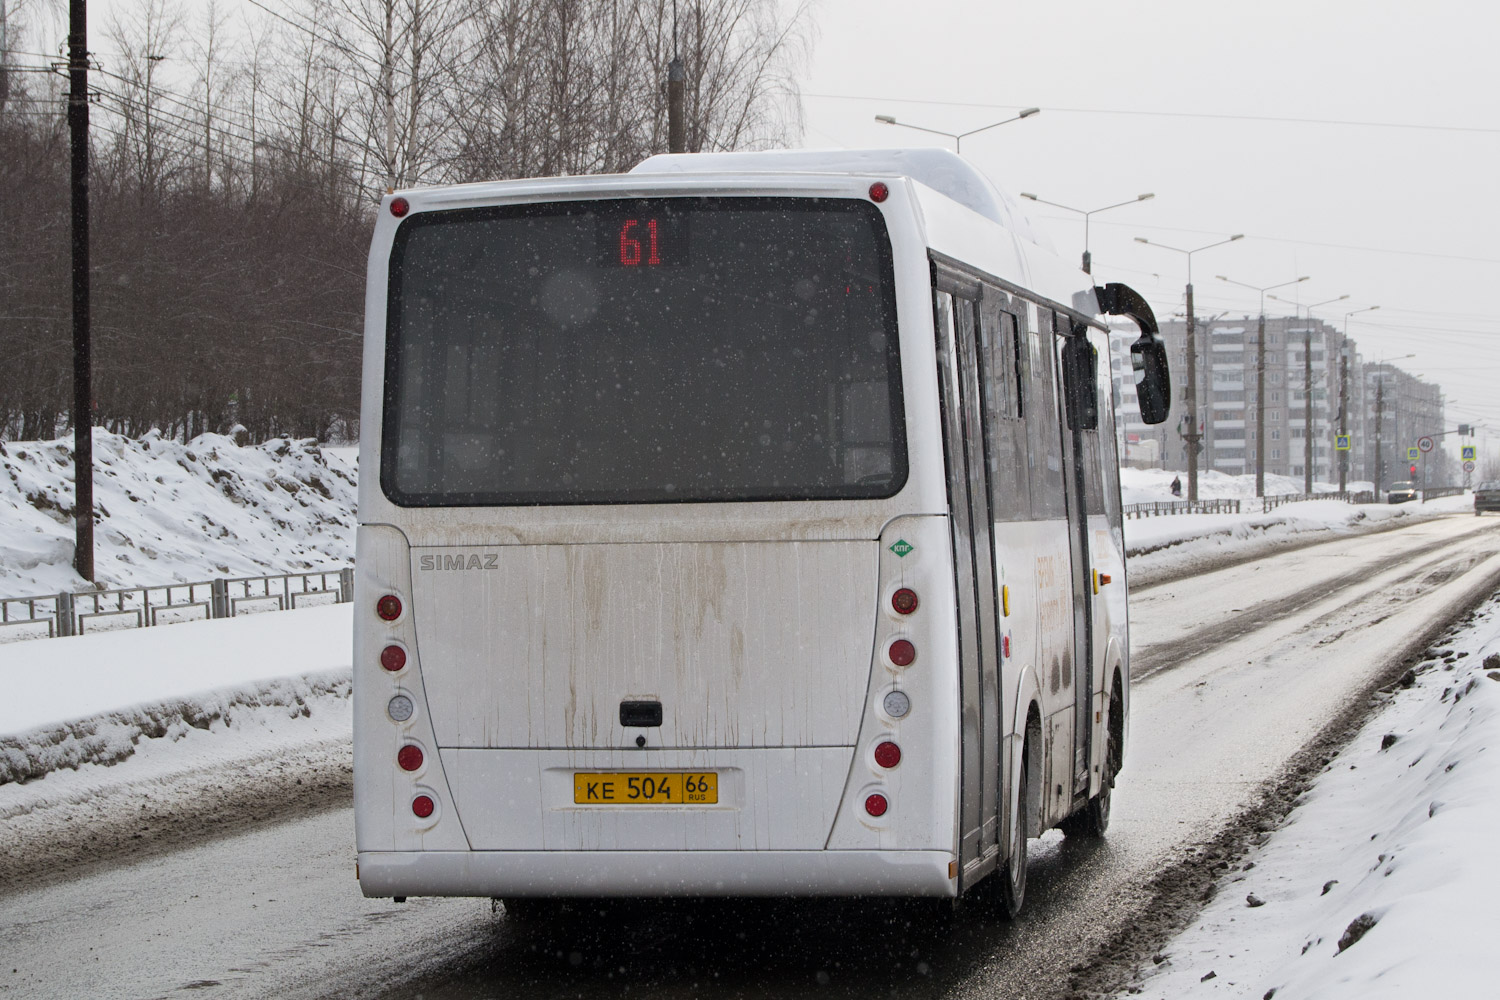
(902, 547)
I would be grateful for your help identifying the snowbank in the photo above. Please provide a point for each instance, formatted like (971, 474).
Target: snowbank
(1381, 883)
(92, 699)
(1148, 485)
(170, 512)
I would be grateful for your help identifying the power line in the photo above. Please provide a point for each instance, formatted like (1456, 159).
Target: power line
(1279, 119)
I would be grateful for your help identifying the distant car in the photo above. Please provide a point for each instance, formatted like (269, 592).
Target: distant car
(1402, 492)
(1487, 496)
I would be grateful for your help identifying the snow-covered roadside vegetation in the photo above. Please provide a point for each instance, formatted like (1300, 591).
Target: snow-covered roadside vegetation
(170, 512)
(1380, 883)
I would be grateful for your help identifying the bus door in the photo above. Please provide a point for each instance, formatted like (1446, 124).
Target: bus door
(971, 511)
(1077, 361)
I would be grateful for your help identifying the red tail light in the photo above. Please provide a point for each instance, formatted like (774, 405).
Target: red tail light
(876, 805)
(904, 600)
(422, 806)
(879, 192)
(887, 754)
(393, 658)
(388, 607)
(410, 757)
(399, 207)
(902, 652)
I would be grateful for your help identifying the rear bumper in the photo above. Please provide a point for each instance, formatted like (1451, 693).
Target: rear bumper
(656, 873)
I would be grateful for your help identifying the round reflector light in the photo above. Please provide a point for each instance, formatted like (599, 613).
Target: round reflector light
(423, 806)
(887, 754)
(399, 207)
(393, 658)
(410, 757)
(897, 704)
(902, 652)
(400, 708)
(904, 600)
(388, 607)
(876, 805)
(879, 192)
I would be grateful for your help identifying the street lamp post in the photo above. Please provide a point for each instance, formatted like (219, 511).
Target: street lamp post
(1193, 435)
(1260, 380)
(958, 137)
(1344, 395)
(1087, 260)
(1307, 400)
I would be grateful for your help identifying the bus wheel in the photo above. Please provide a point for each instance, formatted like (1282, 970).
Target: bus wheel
(1093, 819)
(1013, 876)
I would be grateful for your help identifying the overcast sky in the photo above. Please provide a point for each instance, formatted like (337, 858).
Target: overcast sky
(1354, 142)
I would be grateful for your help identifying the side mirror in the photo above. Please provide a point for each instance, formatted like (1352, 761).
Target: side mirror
(1153, 382)
(1080, 383)
(1148, 355)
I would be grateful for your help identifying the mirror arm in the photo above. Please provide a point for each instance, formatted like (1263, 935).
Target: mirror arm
(1116, 299)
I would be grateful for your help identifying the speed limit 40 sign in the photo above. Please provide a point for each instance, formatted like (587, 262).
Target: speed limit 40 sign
(1425, 444)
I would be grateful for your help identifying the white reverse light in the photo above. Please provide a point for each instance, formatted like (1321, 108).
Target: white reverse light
(897, 704)
(400, 708)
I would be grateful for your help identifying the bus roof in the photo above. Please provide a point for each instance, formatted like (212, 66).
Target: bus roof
(946, 173)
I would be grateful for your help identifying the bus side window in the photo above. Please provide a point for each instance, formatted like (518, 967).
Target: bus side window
(1010, 474)
(1042, 430)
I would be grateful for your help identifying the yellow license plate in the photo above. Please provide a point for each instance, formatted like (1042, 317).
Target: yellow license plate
(646, 788)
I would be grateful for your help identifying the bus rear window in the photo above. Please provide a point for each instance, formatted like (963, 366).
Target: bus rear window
(685, 349)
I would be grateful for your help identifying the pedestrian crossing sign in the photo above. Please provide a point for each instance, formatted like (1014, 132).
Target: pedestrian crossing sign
(1341, 442)
(1411, 454)
(1469, 452)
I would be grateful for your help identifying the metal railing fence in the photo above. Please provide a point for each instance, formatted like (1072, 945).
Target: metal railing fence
(1236, 506)
(55, 615)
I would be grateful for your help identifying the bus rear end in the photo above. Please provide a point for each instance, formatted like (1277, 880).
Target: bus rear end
(652, 593)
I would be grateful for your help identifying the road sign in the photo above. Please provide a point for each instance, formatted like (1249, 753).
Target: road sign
(1341, 442)
(1469, 453)
(1424, 443)
(1468, 466)
(1411, 454)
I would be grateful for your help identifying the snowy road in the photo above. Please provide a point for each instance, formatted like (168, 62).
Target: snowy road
(1236, 671)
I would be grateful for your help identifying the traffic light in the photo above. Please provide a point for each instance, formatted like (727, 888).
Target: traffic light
(1463, 430)
(1413, 471)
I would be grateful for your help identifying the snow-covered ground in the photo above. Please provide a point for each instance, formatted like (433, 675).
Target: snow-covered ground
(169, 512)
(1381, 883)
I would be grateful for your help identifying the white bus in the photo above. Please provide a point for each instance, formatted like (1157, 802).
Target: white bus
(747, 524)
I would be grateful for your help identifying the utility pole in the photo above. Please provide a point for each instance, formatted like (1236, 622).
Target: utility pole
(676, 86)
(676, 130)
(388, 84)
(1344, 414)
(83, 376)
(1379, 414)
(1307, 408)
(1193, 437)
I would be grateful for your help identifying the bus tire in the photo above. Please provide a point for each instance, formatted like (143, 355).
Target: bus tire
(1012, 889)
(1092, 820)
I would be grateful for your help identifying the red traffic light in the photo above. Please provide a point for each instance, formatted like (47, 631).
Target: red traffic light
(1413, 470)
